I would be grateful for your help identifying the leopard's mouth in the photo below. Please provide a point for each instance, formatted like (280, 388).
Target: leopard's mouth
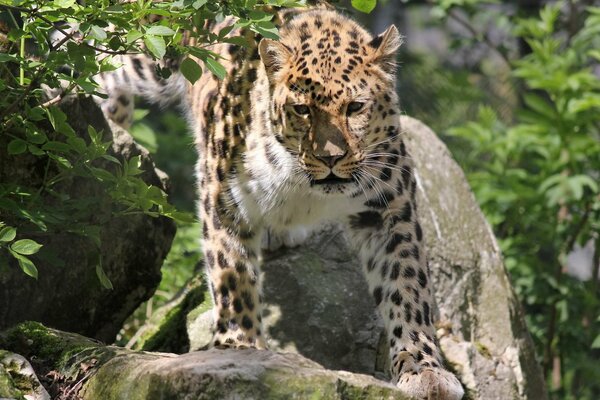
(331, 179)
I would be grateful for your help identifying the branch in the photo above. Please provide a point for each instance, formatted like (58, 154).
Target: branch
(477, 35)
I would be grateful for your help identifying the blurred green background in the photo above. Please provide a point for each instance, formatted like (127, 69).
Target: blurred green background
(513, 89)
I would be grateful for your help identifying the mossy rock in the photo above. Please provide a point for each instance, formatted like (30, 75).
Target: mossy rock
(92, 371)
(18, 379)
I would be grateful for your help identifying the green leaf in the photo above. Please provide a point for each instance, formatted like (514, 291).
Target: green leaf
(111, 159)
(56, 146)
(160, 30)
(267, 29)
(36, 137)
(26, 247)
(64, 3)
(225, 31)
(238, 40)
(97, 33)
(132, 166)
(156, 45)
(596, 343)
(7, 234)
(145, 135)
(133, 35)
(365, 6)
(77, 144)
(216, 68)
(102, 175)
(199, 3)
(181, 217)
(104, 281)
(36, 151)
(586, 102)
(61, 160)
(17, 146)
(191, 70)
(540, 105)
(26, 264)
(114, 43)
(7, 57)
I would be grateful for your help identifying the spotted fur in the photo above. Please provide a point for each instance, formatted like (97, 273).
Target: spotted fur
(303, 130)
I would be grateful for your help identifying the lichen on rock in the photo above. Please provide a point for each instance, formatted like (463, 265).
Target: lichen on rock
(93, 371)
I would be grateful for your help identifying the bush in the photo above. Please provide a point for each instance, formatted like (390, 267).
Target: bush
(536, 179)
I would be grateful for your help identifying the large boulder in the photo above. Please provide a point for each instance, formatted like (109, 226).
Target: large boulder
(481, 326)
(76, 367)
(68, 294)
(317, 303)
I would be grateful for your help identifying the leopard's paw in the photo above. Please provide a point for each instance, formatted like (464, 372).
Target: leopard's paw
(226, 341)
(274, 240)
(431, 384)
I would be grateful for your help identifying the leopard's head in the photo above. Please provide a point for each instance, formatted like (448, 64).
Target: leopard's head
(333, 98)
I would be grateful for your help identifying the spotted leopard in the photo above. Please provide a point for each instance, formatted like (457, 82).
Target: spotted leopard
(303, 130)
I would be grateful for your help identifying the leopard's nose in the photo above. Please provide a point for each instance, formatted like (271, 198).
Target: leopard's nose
(330, 160)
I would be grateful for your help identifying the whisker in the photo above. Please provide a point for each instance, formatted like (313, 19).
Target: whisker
(379, 179)
(356, 178)
(380, 164)
(376, 188)
(386, 140)
(388, 155)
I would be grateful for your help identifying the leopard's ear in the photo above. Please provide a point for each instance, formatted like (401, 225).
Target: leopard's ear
(274, 56)
(385, 47)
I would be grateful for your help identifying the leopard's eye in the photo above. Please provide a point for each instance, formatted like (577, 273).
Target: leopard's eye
(301, 109)
(354, 106)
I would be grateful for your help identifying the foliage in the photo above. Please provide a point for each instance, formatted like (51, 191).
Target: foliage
(19, 249)
(82, 39)
(165, 135)
(536, 178)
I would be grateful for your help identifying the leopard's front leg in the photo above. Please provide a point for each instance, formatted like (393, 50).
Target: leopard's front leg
(389, 239)
(232, 267)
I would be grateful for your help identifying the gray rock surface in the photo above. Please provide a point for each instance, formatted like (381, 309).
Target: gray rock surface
(68, 294)
(18, 379)
(481, 327)
(76, 367)
(317, 302)
(229, 375)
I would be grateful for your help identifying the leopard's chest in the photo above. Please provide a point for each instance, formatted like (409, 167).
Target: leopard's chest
(284, 205)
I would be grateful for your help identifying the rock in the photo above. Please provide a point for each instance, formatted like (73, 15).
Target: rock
(95, 372)
(18, 379)
(68, 294)
(481, 327)
(317, 302)
(166, 329)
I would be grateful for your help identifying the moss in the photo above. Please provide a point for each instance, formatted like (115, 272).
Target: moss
(483, 350)
(8, 387)
(199, 310)
(109, 383)
(33, 338)
(286, 385)
(170, 334)
(312, 262)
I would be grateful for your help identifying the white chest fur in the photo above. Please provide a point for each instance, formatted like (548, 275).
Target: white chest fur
(279, 197)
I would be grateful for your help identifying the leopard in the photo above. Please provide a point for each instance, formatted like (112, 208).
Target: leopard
(302, 130)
